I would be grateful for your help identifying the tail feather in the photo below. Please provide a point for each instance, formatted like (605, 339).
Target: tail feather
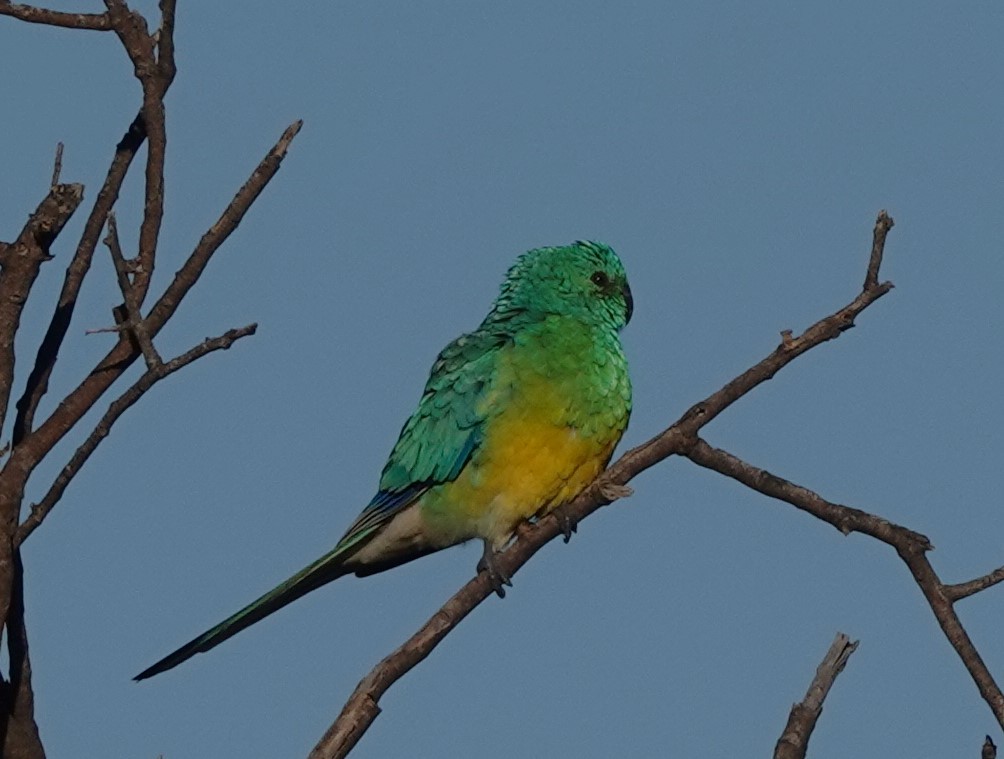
(329, 567)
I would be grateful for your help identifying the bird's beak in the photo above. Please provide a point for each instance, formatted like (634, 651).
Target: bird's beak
(628, 302)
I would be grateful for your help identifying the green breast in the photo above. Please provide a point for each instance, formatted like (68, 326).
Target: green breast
(569, 374)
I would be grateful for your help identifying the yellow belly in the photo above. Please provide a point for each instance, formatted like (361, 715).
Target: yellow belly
(524, 468)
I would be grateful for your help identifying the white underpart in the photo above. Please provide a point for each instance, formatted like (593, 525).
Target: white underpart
(403, 535)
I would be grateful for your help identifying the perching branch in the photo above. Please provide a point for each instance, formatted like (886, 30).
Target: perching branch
(802, 719)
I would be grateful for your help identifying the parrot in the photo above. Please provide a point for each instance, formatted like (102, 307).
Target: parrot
(516, 419)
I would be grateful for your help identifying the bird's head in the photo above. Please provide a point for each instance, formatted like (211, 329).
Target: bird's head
(583, 280)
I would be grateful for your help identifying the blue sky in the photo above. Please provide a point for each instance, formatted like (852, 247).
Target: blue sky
(735, 155)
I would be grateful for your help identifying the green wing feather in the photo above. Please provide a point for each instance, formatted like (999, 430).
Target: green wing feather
(438, 439)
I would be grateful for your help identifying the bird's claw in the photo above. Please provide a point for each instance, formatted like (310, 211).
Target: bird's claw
(496, 576)
(610, 491)
(566, 522)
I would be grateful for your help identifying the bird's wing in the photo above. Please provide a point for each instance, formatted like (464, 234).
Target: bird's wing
(435, 444)
(437, 441)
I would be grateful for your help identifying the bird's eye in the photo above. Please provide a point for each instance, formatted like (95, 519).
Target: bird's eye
(600, 279)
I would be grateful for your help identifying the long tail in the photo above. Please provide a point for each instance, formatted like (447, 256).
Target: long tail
(329, 567)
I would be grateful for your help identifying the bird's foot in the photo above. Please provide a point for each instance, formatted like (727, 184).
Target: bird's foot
(566, 523)
(610, 491)
(496, 576)
(613, 492)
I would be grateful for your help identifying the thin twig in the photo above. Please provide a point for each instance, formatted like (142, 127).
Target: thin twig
(844, 518)
(965, 589)
(40, 510)
(210, 242)
(134, 319)
(117, 329)
(57, 167)
(803, 716)
(882, 226)
(34, 15)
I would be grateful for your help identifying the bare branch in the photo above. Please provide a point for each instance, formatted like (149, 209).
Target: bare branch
(48, 350)
(40, 510)
(965, 589)
(933, 590)
(221, 230)
(134, 320)
(844, 518)
(794, 741)
(910, 546)
(152, 57)
(155, 77)
(882, 226)
(33, 15)
(131, 29)
(362, 707)
(111, 367)
(21, 262)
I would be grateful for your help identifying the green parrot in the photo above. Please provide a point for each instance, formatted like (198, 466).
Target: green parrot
(517, 418)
